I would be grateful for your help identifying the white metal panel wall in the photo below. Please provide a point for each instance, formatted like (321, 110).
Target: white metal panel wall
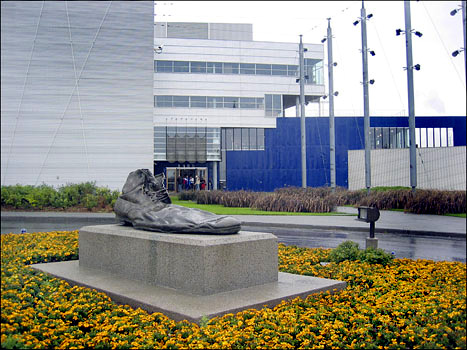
(236, 51)
(77, 91)
(442, 168)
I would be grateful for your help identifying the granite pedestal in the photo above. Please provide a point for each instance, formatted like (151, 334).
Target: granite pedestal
(185, 276)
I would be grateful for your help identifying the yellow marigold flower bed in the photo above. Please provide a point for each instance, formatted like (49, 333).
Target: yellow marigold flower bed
(406, 304)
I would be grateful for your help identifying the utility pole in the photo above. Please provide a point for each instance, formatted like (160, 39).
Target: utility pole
(302, 114)
(332, 138)
(410, 90)
(366, 104)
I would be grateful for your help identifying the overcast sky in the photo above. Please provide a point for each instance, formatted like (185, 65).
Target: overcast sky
(440, 86)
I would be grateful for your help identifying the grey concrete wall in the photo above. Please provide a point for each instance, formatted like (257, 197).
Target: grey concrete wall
(442, 168)
(76, 91)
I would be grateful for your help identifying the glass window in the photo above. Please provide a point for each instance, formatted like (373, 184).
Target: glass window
(429, 134)
(444, 137)
(260, 103)
(277, 103)
(229, 139)
(181, 130)
(231, 68)
(385, 138)
(214, 67)
(198, 101)
(423, 139)
(378, 138)
(201, 131)
(237, 139)
(392, 138)
(164, 101)
(371, 138)
(260, 139)
(164, 66)
(198, 67)
(181, 101)
(171, 131)
(437, 136)
(450, 137)
(292, 70)
(245, 139)
(253, 139)
(417, 137)
(263, 69)
(268, 99)
(247, 102)
(279, 69)
(181, 66)
(215, 102)
(191, 131)
(231, 102)
(247, 68)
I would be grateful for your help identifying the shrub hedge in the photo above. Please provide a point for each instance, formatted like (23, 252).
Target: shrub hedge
(321, 199)
(291, 199)
(84, 195)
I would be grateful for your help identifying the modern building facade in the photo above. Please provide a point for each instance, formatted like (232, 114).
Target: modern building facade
(91, 91)
(76, 91)
(216, 89)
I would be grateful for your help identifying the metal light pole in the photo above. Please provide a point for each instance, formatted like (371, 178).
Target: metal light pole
(302, 114)
(366, 104)
(410, 90)
(332, 135)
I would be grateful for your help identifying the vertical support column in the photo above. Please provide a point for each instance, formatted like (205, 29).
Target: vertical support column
(302, 114)
(214, 175)
(366, 104)
(297, 106)
(332, 139)
(410, 93)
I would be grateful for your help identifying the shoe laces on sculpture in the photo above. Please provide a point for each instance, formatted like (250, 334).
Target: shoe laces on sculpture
(156, 191)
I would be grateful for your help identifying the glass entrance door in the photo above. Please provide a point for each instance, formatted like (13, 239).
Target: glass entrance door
(175, 178)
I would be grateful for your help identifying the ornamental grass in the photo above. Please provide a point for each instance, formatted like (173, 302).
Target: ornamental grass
(405, 304)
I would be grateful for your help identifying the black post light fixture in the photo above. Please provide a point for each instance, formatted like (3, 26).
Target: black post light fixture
(369, 215)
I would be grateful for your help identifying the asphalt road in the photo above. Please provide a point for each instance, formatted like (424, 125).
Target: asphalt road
(403, 245)
(418, 246)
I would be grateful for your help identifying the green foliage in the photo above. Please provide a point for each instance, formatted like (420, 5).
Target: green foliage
(83, 195)
(349, 250)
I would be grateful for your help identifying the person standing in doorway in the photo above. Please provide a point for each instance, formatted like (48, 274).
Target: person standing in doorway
(197, 183)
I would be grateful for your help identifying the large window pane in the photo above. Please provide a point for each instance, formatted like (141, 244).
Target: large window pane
(198, 101)
(181, 101)
(444, 137)
(214, 67)
(198, 67)
(279, 69)
(437, 137)
(231, 102)
(378, 138)
(260, 139)
(164, 101)
(237, 139)
(429, 134)
(181, 66)
(247, 102)
(392, 138)
(423, 139)
(164, 66)
(263, 69)
(260, 103)
(292, 70)
(417, 137)
(231, 68)
(450, 137)
(245, 139)
(253, 139)
(229, 139)
(385, 138)
(247, 68)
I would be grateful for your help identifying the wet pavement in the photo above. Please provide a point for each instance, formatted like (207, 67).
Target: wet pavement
(407, 235)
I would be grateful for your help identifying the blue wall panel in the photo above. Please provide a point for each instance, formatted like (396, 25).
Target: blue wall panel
(279, 165)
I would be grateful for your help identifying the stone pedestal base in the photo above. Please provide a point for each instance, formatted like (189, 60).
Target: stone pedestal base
(371, 242)
(184, 276)
(193, 263)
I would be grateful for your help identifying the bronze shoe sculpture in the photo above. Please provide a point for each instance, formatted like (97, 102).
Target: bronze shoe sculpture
(145, 204)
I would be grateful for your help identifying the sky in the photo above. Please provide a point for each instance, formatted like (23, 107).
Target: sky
(439, 86)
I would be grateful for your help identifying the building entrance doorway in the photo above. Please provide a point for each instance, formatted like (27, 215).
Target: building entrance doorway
(175, 176)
